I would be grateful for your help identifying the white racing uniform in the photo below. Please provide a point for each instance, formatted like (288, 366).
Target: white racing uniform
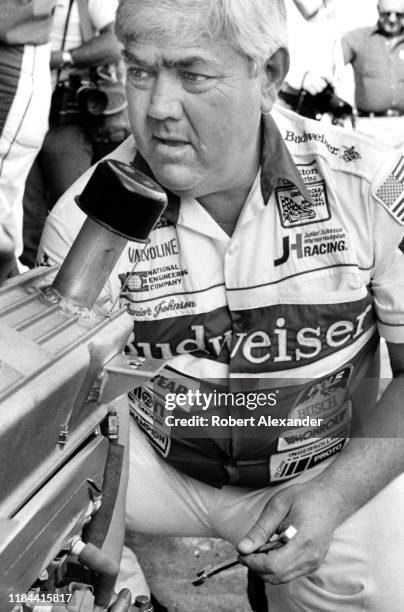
(285, 315)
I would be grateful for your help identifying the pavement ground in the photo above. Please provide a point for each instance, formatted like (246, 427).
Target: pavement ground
(170, 563)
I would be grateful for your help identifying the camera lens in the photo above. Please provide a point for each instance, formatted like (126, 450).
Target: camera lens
(91, 100)
(339, 108)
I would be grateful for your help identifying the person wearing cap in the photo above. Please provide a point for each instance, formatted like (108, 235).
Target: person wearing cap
(264, 290)
(376, 54)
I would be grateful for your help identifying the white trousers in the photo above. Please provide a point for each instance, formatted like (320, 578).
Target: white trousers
(23, 134)
(363, 570)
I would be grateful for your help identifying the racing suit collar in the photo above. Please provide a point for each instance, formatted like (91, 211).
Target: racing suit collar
(276, 163)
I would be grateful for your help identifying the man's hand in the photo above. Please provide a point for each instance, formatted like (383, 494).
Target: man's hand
(56, 60)
(315, 509)
(310, 8)
(314, 83)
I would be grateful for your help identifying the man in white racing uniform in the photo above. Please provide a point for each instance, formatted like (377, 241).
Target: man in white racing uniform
(269, 280)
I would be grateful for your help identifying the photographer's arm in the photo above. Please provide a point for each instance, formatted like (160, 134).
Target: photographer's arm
(309, 8)
(101, 49)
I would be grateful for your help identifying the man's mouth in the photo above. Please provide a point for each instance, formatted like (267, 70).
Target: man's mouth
(170, 142)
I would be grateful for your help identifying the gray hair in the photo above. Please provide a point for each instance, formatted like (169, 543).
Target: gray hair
(254, 28)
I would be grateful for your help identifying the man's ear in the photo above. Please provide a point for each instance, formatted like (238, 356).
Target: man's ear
(273, 74)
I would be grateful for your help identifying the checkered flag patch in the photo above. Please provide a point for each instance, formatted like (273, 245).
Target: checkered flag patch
(391, 192)
(295, 211)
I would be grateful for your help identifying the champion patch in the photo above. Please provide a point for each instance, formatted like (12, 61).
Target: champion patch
(142, 411)
(391, 192)
(295, 210)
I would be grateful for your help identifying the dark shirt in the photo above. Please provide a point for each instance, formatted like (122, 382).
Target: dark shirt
(378, 64)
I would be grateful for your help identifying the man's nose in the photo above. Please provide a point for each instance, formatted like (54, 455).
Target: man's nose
(393, 16)
(166, 99)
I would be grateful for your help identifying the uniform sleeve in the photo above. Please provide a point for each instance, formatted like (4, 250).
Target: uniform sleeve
(102, 12)
(387, 199)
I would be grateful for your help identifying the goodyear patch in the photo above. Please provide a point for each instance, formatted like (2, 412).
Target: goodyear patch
(165, 383)
(391, 192)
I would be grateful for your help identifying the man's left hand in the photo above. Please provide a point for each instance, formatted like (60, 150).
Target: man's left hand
(315, 509)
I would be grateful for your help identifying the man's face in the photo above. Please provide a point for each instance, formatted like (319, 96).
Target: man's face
(195, 113)
(391, 17)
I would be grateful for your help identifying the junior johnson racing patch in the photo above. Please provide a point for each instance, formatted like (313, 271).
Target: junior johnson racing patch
(391, 192)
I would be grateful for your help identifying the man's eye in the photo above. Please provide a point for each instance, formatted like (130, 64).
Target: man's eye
(138, 74)
(196, 80)
(194, 77)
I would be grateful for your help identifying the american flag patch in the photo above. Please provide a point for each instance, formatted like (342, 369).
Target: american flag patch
(391, 192)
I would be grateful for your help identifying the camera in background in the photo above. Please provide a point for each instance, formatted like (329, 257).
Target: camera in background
(315, 106)
(75, 100)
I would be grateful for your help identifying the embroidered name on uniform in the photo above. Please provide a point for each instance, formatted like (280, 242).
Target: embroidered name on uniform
(391, 192)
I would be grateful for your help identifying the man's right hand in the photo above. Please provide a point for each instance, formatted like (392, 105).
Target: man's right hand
(315, 509)
(314, 83)
(309, 8)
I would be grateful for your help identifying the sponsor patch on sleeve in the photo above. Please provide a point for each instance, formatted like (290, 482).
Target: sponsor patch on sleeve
(391, 192)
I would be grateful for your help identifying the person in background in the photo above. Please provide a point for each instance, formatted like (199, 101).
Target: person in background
(315, 51)
(25, 92)
(7, 256)
(377, 57)
(265, 288)
(67, 150)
